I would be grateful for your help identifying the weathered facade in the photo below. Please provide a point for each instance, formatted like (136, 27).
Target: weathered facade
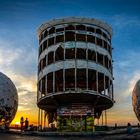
(75, 78)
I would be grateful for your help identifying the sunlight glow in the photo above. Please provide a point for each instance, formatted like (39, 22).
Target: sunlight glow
(17, 123)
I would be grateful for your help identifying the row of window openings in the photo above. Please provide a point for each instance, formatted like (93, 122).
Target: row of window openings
(79, 37)
(72, 83)
(70, 54)
(71, 27)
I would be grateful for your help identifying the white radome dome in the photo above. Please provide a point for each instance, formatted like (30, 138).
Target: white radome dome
(8, 100)
(136, 99)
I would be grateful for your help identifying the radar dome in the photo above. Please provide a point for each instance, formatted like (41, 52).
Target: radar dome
(8, 100)
(136, 99)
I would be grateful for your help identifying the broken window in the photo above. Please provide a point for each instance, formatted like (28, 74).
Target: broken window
(109, 49)
(98, 31)
(106, 82)
(70, 53)
(69, 79)
(45, 33)
(90, 29)
(70, 27)
(90, 39)
(91, 55)
(50, 58)
(41, 36)
(99, 41)
(100, 82)
(59, 54)
(52, 30)
(50, 82)
(81, 78)
(44, 61)
(81, 53)
(44, 44)
(59, 81)
(110, 66)
(69, 36)
(106, 61)
(59, 29)
(100, 58)
(80, 27)
(104, 35)
(59, 38)
(105, 45)
(92, 85)
(43, 84)
(81, 37)
(40, 49)
(50, 41)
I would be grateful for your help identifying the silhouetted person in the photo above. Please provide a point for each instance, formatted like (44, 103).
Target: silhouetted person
(21, 123)
(138, 125)
(115, 125)
(26, 123)
(129, 128)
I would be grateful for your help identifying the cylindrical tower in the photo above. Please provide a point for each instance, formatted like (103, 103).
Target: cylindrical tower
(74, 68)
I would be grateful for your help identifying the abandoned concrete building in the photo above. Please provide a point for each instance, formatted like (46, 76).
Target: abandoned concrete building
(75, 77)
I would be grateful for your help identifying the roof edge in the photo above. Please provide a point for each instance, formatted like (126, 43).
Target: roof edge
(74, 19)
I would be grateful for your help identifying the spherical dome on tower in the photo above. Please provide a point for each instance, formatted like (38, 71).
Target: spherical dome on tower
(136, 99)
(8, 100)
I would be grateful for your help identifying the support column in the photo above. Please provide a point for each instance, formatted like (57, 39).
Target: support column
(38, 117)
(46, 74)
(105, 117)
(87, 63)
(112, 92)
(109, 89)
(96, 68)
(75, 64)
(64, 62)
(104, 85)
(97, 81)
(86, 68)
(54, 75)
(102, 119)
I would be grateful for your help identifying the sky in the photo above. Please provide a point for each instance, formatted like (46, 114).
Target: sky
(19, 21)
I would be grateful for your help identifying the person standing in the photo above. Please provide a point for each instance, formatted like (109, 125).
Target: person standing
(129, 128)
(26, 124)
(21, 123)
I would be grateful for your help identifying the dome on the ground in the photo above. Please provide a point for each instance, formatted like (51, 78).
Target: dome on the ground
(136, 99)
(8, 100)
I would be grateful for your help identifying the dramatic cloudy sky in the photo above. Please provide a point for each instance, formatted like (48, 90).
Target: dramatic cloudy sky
(19, 20)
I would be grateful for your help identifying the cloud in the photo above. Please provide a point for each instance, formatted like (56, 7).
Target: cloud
(8, 55)
(123, 20)
(133, 81)
(122, 110)
(27, 91)
(126, 73)
(27, 101)
(20, 65)
(18, 57)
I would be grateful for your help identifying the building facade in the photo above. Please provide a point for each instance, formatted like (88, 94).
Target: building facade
(75, 78)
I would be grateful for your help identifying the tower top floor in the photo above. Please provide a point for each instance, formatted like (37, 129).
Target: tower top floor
(80, 20)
